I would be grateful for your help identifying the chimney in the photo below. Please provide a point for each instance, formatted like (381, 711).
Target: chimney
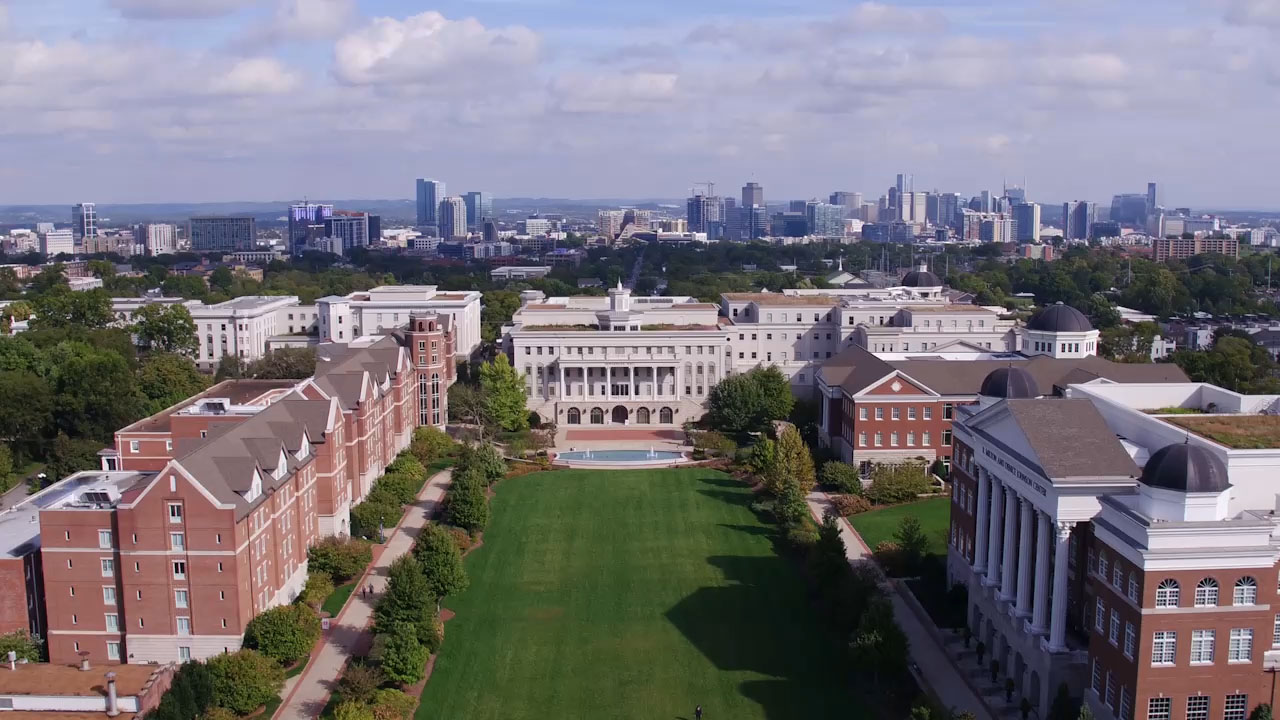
(13, 660)
(84, 660)
(113, 706)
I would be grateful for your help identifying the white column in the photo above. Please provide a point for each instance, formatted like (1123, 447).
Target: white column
(1040, 610)
(982, 517)
(608, 383)
(677, 374)
(1024, 558)
(631, 383)
(1058, 624)
(561, 370)
(993, 535)
(1009, 544)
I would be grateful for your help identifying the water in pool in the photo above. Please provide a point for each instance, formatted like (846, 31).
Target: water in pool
(620, 456)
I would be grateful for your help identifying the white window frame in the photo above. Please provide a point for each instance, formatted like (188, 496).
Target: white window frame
(1240, 647)
(1206, 593)
(1202, 642)
(175, 518)
(177, 541)
(1201, 711)
(113, 650)
(181, 598)
(108, 566)
(1100, 615)
(180, 622)
(1167, 593)
(108, 595)
(111, 621)
(104, 539)
(1164, 647)
(1245, 592)
(179, 574)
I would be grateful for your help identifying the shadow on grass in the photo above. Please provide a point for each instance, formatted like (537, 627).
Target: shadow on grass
(758, 530)
(761, 624)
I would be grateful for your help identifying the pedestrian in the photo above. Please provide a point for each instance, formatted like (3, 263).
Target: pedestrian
(697, 713)
(370, 589)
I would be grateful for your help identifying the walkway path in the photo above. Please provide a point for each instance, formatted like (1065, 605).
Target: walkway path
(933, 665)
(307, 694)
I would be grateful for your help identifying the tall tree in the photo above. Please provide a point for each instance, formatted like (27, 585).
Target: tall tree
(166, 379)
(63, 307)
(734, 404)
(284, 363)
(504, 394)
(795, 460)
(167, 328)
(776, 398)
(26, 413)
(441, 561)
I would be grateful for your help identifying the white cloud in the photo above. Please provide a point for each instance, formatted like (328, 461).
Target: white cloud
(430, 49)
(613, 92)
(878, 17)
(178, 9)
(313, 19)
(1254, 12)
(256, 76)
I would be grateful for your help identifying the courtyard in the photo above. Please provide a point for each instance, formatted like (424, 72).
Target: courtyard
(633, 594)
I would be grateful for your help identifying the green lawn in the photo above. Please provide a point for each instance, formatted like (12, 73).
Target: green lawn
(333, 604)
(879, 525)
(633, 594)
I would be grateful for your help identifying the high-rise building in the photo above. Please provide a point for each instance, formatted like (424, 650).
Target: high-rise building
(824, 219)
(913, 207)
(1129, 209)
(1078, 217)
(984, 201)
(352, 230)
(901, 184)
(1182, 248)
(490, 231)
(702, 210)
(222, 233)
(609, 222)
(1153, 197)
(57, 242)
(84, 223)
(451, 217)
(948, 209)
(1016, 195)
(752, 194)
(156, 238)
(1026, 222)
(430, 193)
(996, 228)
(479, 208)
(306, 225)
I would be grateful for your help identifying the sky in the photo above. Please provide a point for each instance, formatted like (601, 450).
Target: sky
(131, 101)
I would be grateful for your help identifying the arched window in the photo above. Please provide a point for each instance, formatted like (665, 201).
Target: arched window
(435, 398)
(1167, 593)
(575, 416)
(597, 416)
(1246, 592)
(1207, 593)
(642, 416)
(665, 416)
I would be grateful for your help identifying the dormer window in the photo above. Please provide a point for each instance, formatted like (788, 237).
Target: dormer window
(255, 488)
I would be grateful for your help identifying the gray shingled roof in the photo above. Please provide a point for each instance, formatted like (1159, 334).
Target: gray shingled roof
(1070, 438)
(964, 377)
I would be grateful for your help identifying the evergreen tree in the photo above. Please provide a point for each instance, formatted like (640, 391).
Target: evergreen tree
(441, 561)
(403, 659)
(794, 460)
(504, 395)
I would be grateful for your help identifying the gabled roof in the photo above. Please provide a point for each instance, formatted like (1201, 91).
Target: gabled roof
(854, 369)
(1070, 438)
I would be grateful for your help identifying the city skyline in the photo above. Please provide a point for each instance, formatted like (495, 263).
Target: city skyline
(960, 96)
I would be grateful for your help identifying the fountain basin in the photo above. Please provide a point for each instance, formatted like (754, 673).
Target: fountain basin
(591, 458)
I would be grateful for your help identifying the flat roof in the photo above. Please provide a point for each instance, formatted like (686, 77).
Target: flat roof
(768, 298)
(1238, 432)
(243, 391)
(67, 680)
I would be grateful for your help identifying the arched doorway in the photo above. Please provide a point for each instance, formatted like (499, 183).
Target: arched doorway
(597, 416)
(620, 415)
(575, 416)
(665, 416)
(642, 416)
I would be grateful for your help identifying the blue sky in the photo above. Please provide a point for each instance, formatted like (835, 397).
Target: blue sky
(183, 100)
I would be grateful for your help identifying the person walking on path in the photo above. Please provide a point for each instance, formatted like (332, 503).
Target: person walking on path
(370, 589)
(697, 713)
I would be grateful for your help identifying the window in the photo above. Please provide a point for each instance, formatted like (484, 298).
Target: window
(1164, 644)
(1159, 708)
(104, 539)
(862, 413)
(1096, 684)
(175, 511)
(1111, 691)
(862, 442)
(893, 439)
(1235, 707)
(946, 438)
(1207, 593)
(1167, 593)
(108, 595)
(112, 622)
(879, 413)
(180, 598)
(928, 412)
(925, 439)
(1100, 616)
(1198, 707)
(1117, 576)
(911, 412)
(1114, 635)
(879, 439)
(177, 541)
(1130, 640)
(1275, 633)
(1201, 647)
(948, 411)
(1133, 586)
(179, 569)
(911, 439)
(184, 653)
(1126, 704)
(1102, 565)
(896, 413)
(1241, 647)
(108, 567)
(1246, 592)
(184, 626)
(133, 446)
(113, 651)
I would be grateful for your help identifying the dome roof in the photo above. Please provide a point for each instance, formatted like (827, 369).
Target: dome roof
(1009, 382)
(1186, 468)
(1060, 318)
(920, 278)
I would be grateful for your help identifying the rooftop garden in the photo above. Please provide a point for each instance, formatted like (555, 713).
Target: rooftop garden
(1239, 432)
(561, 327)
(669, 326)
(1174, 411)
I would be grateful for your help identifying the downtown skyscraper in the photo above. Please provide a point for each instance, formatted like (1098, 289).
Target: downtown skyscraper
(430, 193)
(451, 218)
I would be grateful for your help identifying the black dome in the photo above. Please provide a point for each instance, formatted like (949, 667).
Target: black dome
(1186, 468)
(920, 278)
(1060, 318)
(1009, 382)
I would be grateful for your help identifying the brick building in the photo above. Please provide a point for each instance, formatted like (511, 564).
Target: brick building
(202, 514)
(1121, 540)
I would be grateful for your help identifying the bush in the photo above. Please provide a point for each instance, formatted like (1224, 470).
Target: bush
(849, 505)
(485, 459)
(342, 558)
(28, 647)
(467, 507)
(397, 488)
(402, 657)
(892, 484)
(911, 539)
(791, 508)
(217, 713)
(889, 555)
(360, 682)
(285, 633)
(842, 476)
(371, 514)
(245, 680)
(430, 444)
(714, 443)
(319, 587)
(461, 538)
(429, 631)
(352, 710)
(441, 561)
(409, 465)
(802, 537)
(407, 598)
(391, 704)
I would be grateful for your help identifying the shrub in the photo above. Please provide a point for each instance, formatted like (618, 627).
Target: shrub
(467, 507)
(285, 633)
(391, 704)
(245, 680)
(891, 484)
(369, 515)
(408, 465)
(848, 505)
(791, 508)
(430, 444)
(714, 443)
(889, 555)
(407, 598)
(352, 710)
(359, 682)
(430, 633)
(398, 488)
(403, 659)
(485, 459)
(319, 587)
(26, 646)
(461, 538)
(469, 476)
(218, 713)
(842, 476)
(911, 539)
(342, 558)
(802, 537)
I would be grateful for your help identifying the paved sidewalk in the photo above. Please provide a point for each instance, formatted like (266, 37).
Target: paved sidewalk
(935, 666)
(306, 695)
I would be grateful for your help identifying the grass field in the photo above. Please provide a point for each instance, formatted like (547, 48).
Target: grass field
(879, 525)
(333, 604)
(629, 595)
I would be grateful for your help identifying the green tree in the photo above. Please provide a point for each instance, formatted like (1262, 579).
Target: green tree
(403, 659)
(230, 367)
(879, 646)
(352, 710)
(68, 456)
(285, 633)
(407, 597)
(467, 404)
(7, 478)
(441, 561)
(317, 589)
(842, 476)
(794, 463)
(96, 391)
(734, 404)
(498, 308)
(63, 307)
(284, 363)
(392, 704)
(790, 507)
(245, 680)
(430, 444)
(1262, 711)
(341, 558)
(166, 380)
(167, 328)
(485, 459)
(504, 395)
(27, 647)
(911, 541)
(359, 682)
(221, 278)
(776, 398)
(467, 507)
